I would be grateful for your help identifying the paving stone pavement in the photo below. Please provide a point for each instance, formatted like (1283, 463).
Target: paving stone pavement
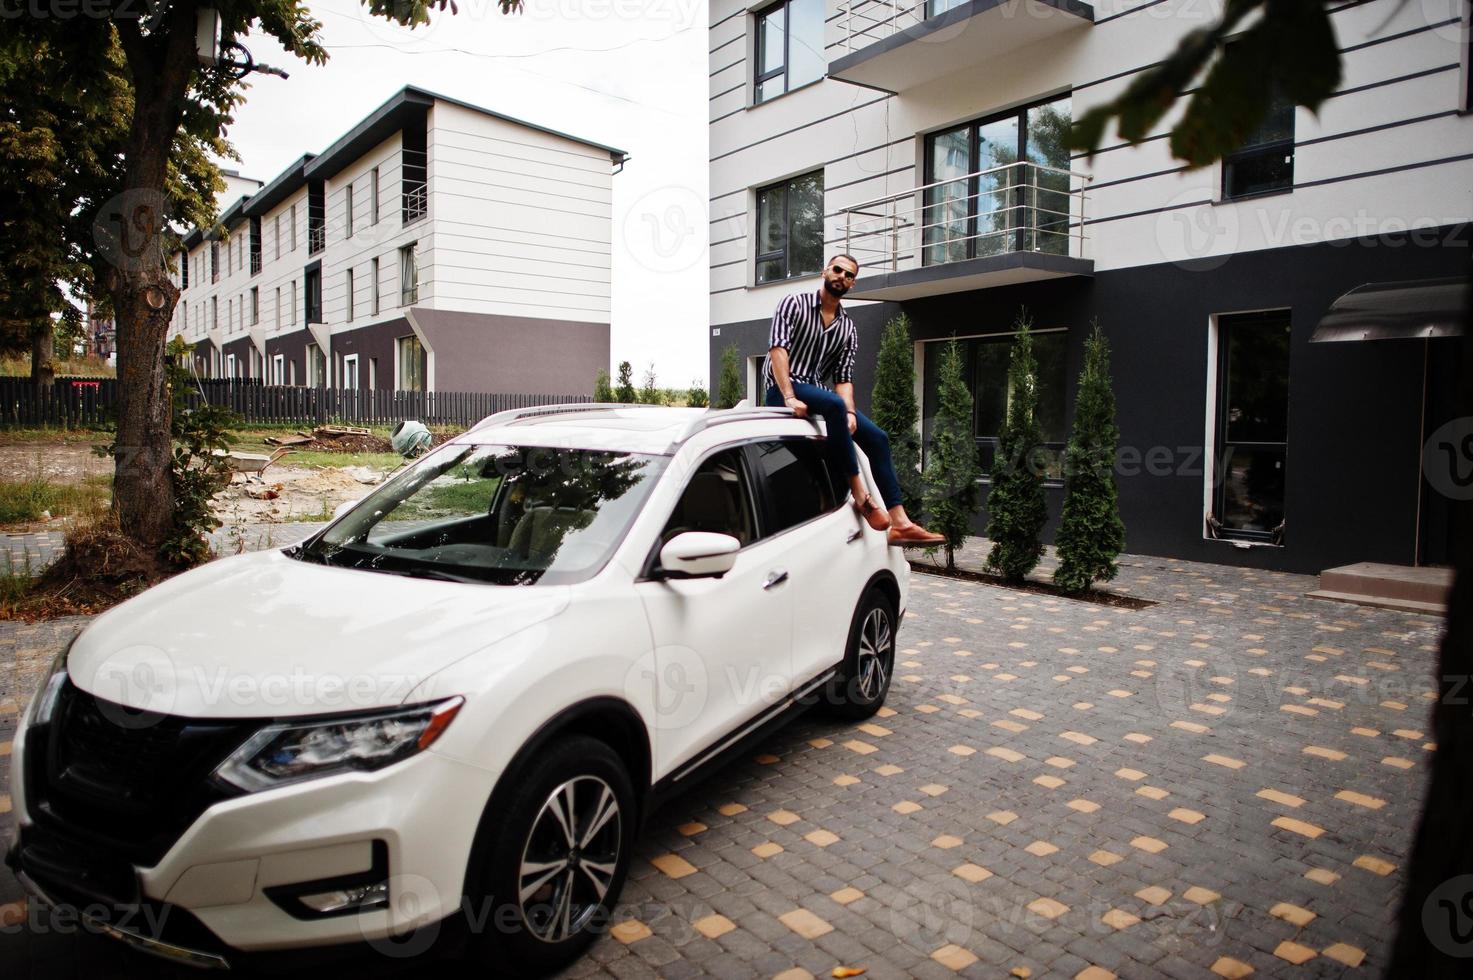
(1223, 784)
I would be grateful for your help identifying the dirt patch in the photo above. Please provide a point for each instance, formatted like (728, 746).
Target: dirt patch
(1039, 588)
(301, 494)
(99, 568)
(69, 463)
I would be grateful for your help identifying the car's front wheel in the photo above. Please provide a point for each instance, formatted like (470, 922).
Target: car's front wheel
(859, 688)
(559, 856)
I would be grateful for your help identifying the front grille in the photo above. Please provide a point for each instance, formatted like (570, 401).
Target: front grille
(127, 781)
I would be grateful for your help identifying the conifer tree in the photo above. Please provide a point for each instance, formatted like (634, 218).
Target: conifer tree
(650, 394)
(625, 391)
(603, 391)
(951, 467)
(1016, 511)
(893, 409)
(1091, 534)
(697, 397)
(729, 388)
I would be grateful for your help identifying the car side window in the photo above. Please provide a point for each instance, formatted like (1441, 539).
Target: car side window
(716, 499)
(795, 481)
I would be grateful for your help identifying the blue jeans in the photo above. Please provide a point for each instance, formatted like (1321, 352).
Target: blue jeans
(870, 437)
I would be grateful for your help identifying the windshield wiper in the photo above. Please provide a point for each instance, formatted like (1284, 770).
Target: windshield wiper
(430, 573)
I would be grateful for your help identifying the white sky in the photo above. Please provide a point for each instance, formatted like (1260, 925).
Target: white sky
(625, 73)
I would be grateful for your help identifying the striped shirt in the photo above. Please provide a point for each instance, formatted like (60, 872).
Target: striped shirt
(814, 352)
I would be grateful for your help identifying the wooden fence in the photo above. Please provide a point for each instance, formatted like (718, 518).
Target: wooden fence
(86, 402)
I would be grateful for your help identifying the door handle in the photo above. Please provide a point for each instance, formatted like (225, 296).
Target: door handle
(854, 535)
(775, 578)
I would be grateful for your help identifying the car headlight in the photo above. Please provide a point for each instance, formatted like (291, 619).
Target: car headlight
(291, 752)
(43, 705)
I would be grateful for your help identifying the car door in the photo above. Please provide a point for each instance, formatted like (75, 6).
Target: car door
(722, 646)
(823, 547)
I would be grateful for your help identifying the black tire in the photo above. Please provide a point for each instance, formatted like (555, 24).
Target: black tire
(858, 690)
(544, 932)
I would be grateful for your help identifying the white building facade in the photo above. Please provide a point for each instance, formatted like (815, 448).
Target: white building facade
(927, 140)
(436, 246)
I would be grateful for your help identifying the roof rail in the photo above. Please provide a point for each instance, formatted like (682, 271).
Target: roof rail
(513, 415)
(738, 414)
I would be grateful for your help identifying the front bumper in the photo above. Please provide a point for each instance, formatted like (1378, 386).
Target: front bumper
(223, 871)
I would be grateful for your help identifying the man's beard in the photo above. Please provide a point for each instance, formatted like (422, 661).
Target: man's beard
(835, 288)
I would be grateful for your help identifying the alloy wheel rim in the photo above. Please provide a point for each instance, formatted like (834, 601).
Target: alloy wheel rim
(569, 859)
(874, 646)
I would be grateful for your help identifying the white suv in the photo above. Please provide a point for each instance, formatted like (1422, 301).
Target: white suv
(449, 711)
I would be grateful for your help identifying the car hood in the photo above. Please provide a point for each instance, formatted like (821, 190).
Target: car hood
(264, 635)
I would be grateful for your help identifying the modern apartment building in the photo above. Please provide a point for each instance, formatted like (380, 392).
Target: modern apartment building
(436, 246)
(927, 140)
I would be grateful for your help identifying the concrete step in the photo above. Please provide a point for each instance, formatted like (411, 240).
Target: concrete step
(1414, 589)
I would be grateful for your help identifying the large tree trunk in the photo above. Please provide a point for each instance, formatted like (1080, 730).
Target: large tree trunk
(1435, 935)
(43, 353)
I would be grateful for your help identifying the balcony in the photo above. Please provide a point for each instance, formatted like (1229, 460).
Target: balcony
(893, 47)
(1022, 222)
(415, 186)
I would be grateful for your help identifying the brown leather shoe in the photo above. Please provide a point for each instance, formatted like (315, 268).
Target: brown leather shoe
(915, 536)
(873, 513)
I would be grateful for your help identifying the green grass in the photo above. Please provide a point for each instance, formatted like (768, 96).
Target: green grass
(56, 437)
(25, 500)
(19, 366)
(16, 579)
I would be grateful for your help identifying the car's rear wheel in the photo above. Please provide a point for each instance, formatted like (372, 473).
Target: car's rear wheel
(559, 856)
(858, 690)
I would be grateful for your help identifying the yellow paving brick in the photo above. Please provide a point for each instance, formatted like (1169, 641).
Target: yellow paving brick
(1048, 908)
(1083, 705)
(1190, 726)
(1152, 792)
(630, 931)
(797, 972)
(1079, 738)
(946, 842)
(1284, 799)
(1344, 953)
(1322, 876)
(886, 713)
(863, 748)
(1005, 754)
(907, 806)
(1223, 760)
(1105, 858)
(1094, 973)
(1360, 799)
(1293, 952)
(691, 829)
(1117, 693)
(847, 895)
(714, 925)
(970, 713)
(1292, 914)
(1231, 969)
(971, 872)
(954, 957)
(1048, 782)
(783, 817)
(1200, 895)
(845, 780)
(5, 748)
(805, 923)
(1059, 762)
(1298, 827)
(1083, 806)
(674, 866)
(1041, 848)
(1009, 725)
(820, 743)
(1148, 844)
(1334, 755)
(1374, 865)
(953, 699)
(1187, 816)
(1135, 775)
(766, 759)
(889, 770)
(1026, 715)
(731, 809)
(821, 838)
(1154, 895)
(1137, 738)
(927, 709)
(1410, 733)
(1397, 762)
(962, 750)
(934, 789)
(1119, 919)
(767, 850)
(1002, 817)
(1298, 709)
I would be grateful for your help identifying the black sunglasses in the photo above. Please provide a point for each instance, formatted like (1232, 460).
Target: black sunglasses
(839, 270)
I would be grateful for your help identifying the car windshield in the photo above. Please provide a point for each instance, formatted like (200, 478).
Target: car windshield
(508, 515)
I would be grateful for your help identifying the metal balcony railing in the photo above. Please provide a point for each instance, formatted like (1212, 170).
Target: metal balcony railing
(415, 185)
(1020, 207)
(868, 21)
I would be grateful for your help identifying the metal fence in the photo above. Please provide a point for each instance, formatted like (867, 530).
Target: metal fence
(84, 402)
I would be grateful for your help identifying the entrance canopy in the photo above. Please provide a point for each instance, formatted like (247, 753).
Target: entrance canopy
(1411, 309)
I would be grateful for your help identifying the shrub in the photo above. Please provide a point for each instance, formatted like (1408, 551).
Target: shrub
(624, 393)
(729, 387)
(603, 391)
(1016, 511)
(1091, 534)
(893, 408)
(697, 396)
(951, 468)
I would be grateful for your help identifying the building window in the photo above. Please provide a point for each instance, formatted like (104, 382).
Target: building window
(255, 246)
(985, 369)
(349, 375)
(230, 316)
(214, 262)
(411, 364)
(348, 209)
(278, 369)
(373, 374)
(293, 229)
(414, 186)
(999, 185)
(316, 218)
(278, 308)
(790, 228)
(409, 274)
(276, 233)
(255, 305)
(1265, 163)
(350, 295)
(373, 190)
(293, 306)
(214, 313)
(373, 274)
(316, 367)
(312, 287)
(1252, 426)
(183, 270)
(790, 50)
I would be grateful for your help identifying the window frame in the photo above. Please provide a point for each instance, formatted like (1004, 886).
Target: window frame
(348, 211)
(649, 572)
(1256, 151)
(785, 254)
(758, 49)
(349, 288)
(1225, 324)
(409, 258)
(767, 520)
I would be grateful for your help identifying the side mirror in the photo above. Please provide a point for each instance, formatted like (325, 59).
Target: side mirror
(699, 554)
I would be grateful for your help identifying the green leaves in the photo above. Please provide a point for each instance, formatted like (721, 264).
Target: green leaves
(951, 470)
(1016, 510)
(729, 386)
(893, 408)
(1289, 49)
(1091, 534)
